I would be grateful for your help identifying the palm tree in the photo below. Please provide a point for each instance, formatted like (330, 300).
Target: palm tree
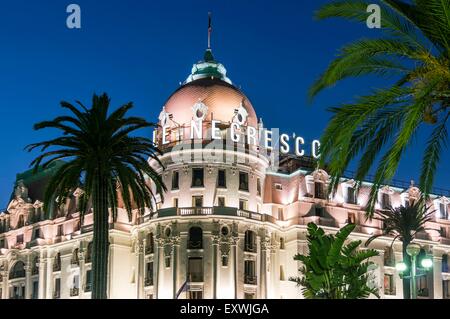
(414, 50)
(333, 269)
(103, 160)
(404, 223)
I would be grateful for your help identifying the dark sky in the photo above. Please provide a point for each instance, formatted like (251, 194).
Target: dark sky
(139, 51)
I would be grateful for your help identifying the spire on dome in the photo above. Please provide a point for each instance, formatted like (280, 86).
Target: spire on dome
(209, 67)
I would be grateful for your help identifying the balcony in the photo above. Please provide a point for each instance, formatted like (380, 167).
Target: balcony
(250, 280)
(249, 214)
(74, 292)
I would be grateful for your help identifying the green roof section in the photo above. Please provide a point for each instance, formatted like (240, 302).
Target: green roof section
(30, 176)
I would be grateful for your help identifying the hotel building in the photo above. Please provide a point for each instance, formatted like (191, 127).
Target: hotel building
(228, 227)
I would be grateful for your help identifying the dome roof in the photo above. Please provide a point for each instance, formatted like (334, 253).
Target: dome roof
(209, 95)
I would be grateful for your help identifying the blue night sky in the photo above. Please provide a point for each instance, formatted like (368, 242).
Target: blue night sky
(140, 50)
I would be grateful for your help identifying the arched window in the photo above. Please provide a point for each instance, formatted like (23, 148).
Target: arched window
(57, 262)
(250, 241)
(195, 238)
(150, 244)
(18, 271)
(389, 257)
(89, 253)
(444, 263)
(75, 260)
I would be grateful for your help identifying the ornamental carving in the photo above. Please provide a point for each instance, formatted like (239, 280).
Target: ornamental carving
(199, 111)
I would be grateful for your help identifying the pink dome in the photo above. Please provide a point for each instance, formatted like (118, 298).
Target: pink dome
(222, 101)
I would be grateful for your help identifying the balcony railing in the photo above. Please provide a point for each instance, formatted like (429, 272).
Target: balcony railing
(250, 280)
(249, 214)
(195, 211)
(74, 292)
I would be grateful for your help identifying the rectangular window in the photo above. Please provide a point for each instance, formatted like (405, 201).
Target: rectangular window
(222, 179)
(2, 243)
(385, 201)
(446, 289)
(389, 284)
(175, 202)
(35, 291)
(351, 196)
(243, 181)
(258, 187)
(221, 201)
(319, 191)
(249, 296)
(443, 232)
(443, 211)
(243, 204)
(167, 262)
(57, 292)
(36, 233)
(88, 281)
(197, 177)
(249, 272)
(195, 269)
(149, 274)
(19, 239)
(278, 187)
(197, 201)
(175, 180)
(224, 261)
(59, 230)
(422, 286)
(280, 213)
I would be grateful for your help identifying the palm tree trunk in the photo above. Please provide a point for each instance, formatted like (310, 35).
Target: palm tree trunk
(406, 281)
(100, 241)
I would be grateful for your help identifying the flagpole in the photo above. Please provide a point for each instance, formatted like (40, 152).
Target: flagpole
(209, 30)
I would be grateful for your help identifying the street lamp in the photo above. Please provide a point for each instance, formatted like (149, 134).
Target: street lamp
(413, 251)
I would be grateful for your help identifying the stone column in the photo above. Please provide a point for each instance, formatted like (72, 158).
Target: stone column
(140, 270)
(265, 253)
(175, 262)
(156, 267)
(42, 277)
(49, 283)
(82, 272)
(215, 242)
(234, 243)
(28, 286)
(437, 277)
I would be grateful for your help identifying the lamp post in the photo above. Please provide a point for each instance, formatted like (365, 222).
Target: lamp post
(413, 251)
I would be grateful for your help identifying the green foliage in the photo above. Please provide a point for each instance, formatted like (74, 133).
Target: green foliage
(334, 269)
(102, 158)
(414, 48)
(403, 223)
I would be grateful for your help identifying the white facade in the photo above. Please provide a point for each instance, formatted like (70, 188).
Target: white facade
(228, 226)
